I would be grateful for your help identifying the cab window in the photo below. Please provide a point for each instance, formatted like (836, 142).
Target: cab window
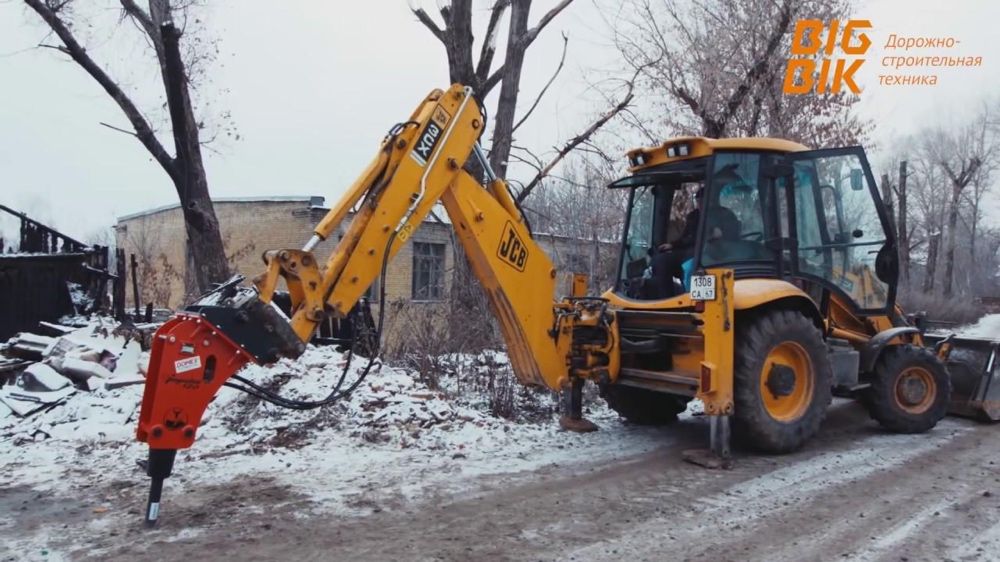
(840, 233)
(735, 211)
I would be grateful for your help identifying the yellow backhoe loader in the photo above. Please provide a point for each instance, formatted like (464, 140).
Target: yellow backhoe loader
(784, 296)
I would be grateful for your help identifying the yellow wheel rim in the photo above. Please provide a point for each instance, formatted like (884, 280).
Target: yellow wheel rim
(915, 390)
(786, 382)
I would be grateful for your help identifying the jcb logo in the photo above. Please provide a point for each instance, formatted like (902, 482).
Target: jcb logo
(512, 250)
(806, 43)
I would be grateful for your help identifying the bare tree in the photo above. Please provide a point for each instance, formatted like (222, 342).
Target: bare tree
(715, 68)
(454, 29)
(589, 218)
(984, 138)
(946, 176)
(928, 211)
(896, 199)
(185, 166)
(960, 174)
(457, 36)
(902, 222)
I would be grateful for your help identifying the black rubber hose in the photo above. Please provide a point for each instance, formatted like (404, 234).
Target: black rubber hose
(272, 397)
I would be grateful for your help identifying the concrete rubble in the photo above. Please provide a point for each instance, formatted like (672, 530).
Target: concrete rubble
(39, 371)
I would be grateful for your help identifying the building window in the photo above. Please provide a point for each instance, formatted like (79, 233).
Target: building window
(428, 271)
(373, 293)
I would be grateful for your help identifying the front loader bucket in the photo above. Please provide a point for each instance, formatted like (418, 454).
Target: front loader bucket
(972, 364)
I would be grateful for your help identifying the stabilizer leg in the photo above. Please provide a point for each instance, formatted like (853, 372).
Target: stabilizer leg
(572, 418)
(719, 436)
(719, 454)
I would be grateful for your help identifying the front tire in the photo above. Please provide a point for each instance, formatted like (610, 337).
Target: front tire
(782, 381)
(909, 391)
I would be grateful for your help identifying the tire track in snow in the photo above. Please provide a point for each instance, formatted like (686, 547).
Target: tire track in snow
(744, 508)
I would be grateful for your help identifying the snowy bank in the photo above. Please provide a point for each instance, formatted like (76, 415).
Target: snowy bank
(393, 438)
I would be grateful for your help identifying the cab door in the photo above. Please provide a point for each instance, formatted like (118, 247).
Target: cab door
(843, 237)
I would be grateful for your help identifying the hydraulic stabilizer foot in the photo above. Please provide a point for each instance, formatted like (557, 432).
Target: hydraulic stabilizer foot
(572, 418)
(719, 435)
(161, 464)
(718, 455)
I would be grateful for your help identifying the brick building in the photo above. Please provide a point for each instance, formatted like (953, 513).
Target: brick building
(420, 274)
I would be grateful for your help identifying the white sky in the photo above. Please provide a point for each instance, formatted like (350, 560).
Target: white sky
(313, 85)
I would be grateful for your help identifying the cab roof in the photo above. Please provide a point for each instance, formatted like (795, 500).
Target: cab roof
(685, 148)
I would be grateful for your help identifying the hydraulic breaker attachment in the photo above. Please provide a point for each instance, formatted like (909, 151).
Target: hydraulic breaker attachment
(972, 366)
(193, 355)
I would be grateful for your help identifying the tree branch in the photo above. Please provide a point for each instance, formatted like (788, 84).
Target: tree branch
(493, 80)
(120, 130)
(761, 66)
(562, 61)
(143, 131)
(59, 48)
(428, 23)
(489, 48)
(546, 19)
(138, 14)
(575, 141)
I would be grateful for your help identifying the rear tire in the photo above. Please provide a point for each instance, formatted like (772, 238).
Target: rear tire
(909, 391)
(782, 381)
(643, 407)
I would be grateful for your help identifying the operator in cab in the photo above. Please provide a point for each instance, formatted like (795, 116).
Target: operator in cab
(669, 257)
(722, 225)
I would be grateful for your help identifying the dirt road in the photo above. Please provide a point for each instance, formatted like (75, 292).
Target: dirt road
(854, 493)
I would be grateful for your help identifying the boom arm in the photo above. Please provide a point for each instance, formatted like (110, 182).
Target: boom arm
(418, 166)
(420, 163)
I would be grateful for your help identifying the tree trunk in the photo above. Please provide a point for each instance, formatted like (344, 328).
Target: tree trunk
(185, 168)
(904, 234)
(503, 123)
(933, 241)
(887, 203)
(949, 258)
(458, 44)
(208, 253)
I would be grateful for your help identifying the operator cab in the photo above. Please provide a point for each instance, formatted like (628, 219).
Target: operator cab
(769, 208)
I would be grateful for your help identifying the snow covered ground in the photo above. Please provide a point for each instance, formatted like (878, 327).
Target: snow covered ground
(393, 434)
(395, 441)
(986, 327)
(393, 437)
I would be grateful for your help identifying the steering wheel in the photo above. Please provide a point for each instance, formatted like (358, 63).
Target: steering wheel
(758, 236)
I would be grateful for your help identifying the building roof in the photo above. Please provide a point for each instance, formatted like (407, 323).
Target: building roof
(437, 214)
(312, 200)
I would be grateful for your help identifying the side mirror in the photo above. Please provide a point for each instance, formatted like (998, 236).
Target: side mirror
(857, 179)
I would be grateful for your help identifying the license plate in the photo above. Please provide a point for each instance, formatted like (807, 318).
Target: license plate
(703, 287)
